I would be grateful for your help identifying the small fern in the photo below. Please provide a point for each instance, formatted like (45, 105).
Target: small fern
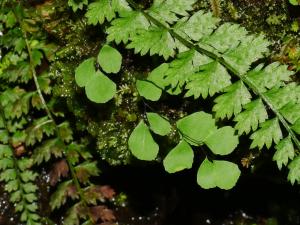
(32, 136)
(263, 101)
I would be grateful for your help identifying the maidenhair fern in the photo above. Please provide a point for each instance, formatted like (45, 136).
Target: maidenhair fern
(207, 58)
(98, 87)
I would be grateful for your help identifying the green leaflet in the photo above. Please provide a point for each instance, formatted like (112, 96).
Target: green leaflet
(154, 40)
(270, 131)
(196, 127)
(291, 112)
(100, 88)
(253, 115)
(158, 124)
(270, 76)
(223, 39)
(102, 10)
(250, 55)
(294, 174)
(84, 72)
(75, 4)
(294, 2)
(296, 126)
(122, 29)
(179, 158)
(284, 152)
(110, 59)
(142, 144)
(223, 141)
(167, 11)
(222, 174)
(180, 69)
(148, 90)
(232, 102)
(211, 79)
(197, 26)
(199, 128)
(282, 96)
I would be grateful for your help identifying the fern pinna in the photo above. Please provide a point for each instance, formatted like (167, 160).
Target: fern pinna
(30, 136)
(207, 58)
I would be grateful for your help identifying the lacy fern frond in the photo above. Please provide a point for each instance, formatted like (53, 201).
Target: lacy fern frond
(263, 100)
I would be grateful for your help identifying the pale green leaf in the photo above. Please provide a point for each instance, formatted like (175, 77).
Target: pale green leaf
(148, 90)
(296, 126)
(272, 75)
(179, 158)
(186, 64)
(223, 141)
(37, 57)
(100, 11)
(221, 174)
(77, 4)
(110, 59)
(227, 36)
(284, 152)
(210, 79)
(199, 25)
(243, 56)
(254, 114)
(279, 97)
(195, 128)
(232, 102)
(100, 88)
(158, 124)
(269, 131)
(84, 72)
(157, 75)
(294, 173)
(142, 144)
(166, 11)
(294, 2)
(155, 40)
(12, 185)
(291, 112)
(122, 29)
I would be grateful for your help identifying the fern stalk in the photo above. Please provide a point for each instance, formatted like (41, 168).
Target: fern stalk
(51, 118)
(227, 65)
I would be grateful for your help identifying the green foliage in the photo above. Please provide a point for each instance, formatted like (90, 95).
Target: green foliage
(142, 144)
(179, 158)
(113, 65)
(158, 124)
(222, 174)
(30, 137)
(98, 87)
(19, 183)
(208, 55)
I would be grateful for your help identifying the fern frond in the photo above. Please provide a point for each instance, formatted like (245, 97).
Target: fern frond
(232, 102)
(168, 11)
(211, 79)
(284, 152)
(102, 10)
(123, 29)
(154, 40)
(198, 26)
(232, 50)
